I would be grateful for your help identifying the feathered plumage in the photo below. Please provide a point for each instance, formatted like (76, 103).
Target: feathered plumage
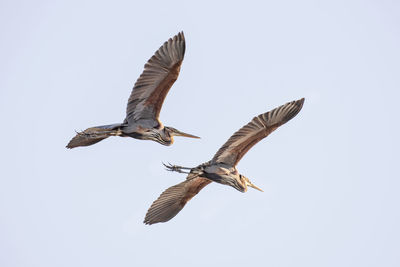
(222, 168)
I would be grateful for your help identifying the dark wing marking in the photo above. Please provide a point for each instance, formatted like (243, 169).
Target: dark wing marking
(172, 200)
(250, 134)
(160, 72)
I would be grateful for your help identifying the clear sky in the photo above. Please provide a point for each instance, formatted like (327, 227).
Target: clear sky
(331, 175)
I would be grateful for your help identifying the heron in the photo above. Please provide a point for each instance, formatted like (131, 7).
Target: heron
(222, 167)
(144, 104)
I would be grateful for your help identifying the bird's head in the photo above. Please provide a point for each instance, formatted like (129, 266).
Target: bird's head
(243, 182)
(170, 132)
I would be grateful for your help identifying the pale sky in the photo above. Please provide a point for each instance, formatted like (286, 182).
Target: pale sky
(330, 175)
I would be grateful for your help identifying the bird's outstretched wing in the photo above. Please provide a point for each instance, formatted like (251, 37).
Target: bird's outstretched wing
(172, 200)
(250, 134)
(160, 72)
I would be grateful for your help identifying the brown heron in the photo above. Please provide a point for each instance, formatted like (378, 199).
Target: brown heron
(145, 101)
(222, 168)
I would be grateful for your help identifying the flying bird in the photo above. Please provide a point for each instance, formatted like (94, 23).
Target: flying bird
(222, 167)
(144, 104)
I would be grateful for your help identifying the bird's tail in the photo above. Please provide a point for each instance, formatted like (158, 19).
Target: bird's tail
(94, 135)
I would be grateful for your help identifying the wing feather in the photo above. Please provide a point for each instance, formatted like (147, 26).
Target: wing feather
(250, 134)
(172, 200)
(160, 73)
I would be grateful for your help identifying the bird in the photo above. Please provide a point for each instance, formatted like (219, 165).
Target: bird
(145, 101)
(222, 167)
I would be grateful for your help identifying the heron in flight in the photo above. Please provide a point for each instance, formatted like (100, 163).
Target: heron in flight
(222, 168)
(144, 104)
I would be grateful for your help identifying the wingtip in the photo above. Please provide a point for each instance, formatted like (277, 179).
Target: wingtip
(301, 101)
(148, 221)
(69, 145)
(180, 36)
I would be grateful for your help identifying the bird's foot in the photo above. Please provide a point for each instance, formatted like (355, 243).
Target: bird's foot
(176, 168)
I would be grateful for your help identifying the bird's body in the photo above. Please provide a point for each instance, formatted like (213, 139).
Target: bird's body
(222, 168)
(217, 172)
(145, 102)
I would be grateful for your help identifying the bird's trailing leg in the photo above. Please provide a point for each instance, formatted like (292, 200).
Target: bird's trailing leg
(97, 134)
(175, 168)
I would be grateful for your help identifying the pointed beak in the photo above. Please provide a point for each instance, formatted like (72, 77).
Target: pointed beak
(255, 187)
(179, 133)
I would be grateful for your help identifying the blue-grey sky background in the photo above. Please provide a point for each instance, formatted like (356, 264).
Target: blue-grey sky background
(331, 175)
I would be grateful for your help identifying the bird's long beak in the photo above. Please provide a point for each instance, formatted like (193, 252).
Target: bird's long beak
(179, 133)
(255, 187)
